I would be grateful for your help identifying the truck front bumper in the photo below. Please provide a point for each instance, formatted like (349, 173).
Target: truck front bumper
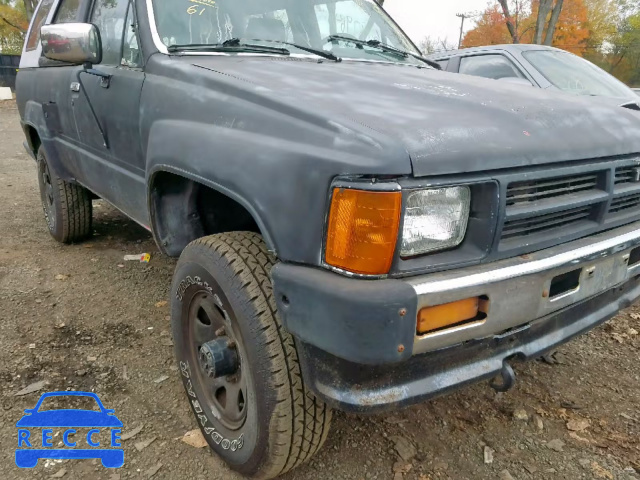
(358, 343)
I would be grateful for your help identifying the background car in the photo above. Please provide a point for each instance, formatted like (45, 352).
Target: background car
(537, 65)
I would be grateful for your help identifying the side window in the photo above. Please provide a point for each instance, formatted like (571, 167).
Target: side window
(489, 66)
(67, 11)
(110, 17)
(131, 55)
(34, 35)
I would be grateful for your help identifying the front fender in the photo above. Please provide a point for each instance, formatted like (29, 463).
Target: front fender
(282, 183)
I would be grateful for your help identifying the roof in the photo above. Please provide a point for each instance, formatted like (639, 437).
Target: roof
(519, 47)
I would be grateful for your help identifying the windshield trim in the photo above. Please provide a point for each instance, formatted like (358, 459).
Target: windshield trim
(305, 56)
(162, 48)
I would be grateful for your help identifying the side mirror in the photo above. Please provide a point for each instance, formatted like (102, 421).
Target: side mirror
(76, 43)
(516, 81)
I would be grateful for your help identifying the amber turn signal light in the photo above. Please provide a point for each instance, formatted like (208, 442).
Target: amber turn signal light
(363, 230)
(431, 319)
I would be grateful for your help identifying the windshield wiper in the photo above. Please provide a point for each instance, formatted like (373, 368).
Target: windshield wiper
(233, 45)
(315, 51)
(384, 47)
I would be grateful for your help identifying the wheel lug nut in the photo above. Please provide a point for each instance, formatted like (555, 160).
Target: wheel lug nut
(220, 332)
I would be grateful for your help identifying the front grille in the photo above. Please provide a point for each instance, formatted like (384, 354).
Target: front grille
(626, 174)
(563, 204)
(536, 190)
(624, 203)
(544, 223)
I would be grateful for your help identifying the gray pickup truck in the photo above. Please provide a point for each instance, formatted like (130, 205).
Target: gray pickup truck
(356, 229)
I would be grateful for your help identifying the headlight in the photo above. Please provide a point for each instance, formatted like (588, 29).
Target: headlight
(435, 219)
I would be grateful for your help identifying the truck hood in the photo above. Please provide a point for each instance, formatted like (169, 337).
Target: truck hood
(448, 123)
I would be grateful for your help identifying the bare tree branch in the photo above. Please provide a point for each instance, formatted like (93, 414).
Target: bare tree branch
(29, 7)
(510, 24)
(548, 39)
(21, 30)
(543, 12)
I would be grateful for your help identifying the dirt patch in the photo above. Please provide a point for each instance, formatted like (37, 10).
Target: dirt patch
(80, 318)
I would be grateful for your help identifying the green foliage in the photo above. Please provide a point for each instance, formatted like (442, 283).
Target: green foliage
(620, 52)
(13, 26)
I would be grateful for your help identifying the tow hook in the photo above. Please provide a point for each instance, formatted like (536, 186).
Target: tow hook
(508, 379)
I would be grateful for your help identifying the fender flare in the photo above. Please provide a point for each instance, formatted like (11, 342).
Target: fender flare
(34, 117)
(164, 168)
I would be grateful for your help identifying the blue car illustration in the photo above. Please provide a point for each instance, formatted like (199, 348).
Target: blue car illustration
(68, 419)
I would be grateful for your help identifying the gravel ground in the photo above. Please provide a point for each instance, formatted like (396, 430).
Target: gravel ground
(80, 318)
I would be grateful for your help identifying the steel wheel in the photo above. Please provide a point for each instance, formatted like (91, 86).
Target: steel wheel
(224, 390)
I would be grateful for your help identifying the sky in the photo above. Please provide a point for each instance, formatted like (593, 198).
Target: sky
(421, 18)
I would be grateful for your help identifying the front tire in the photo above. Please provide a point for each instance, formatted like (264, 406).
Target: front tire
(67, 207)
(239, 366)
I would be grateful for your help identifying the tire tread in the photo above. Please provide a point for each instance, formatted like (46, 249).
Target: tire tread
(301, 420)
(76, 208)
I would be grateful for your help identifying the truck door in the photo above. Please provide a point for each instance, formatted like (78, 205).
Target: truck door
(112, 161)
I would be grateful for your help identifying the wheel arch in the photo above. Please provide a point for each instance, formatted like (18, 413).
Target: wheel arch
(33, 138)
(38, 134)
(184, 207)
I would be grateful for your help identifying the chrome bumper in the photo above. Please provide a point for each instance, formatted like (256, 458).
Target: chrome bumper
(519, 289)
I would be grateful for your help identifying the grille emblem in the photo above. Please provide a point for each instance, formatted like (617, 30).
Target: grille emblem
(636, 174)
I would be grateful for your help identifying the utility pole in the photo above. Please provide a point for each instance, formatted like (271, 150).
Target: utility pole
(463, 17)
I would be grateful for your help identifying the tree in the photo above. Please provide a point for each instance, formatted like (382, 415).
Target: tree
(13, 27)
(512, 25)
(570, 30)
(623, 56)
(504, 21)
(602, 16)
(547, 16)
(428, 45)
(30, 7)
(555, 16)
(490, 29)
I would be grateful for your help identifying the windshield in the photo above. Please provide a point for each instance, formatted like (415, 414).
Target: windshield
(576, 75)
(308, 23)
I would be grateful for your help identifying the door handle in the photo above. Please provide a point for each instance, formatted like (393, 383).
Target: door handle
(75, 87)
